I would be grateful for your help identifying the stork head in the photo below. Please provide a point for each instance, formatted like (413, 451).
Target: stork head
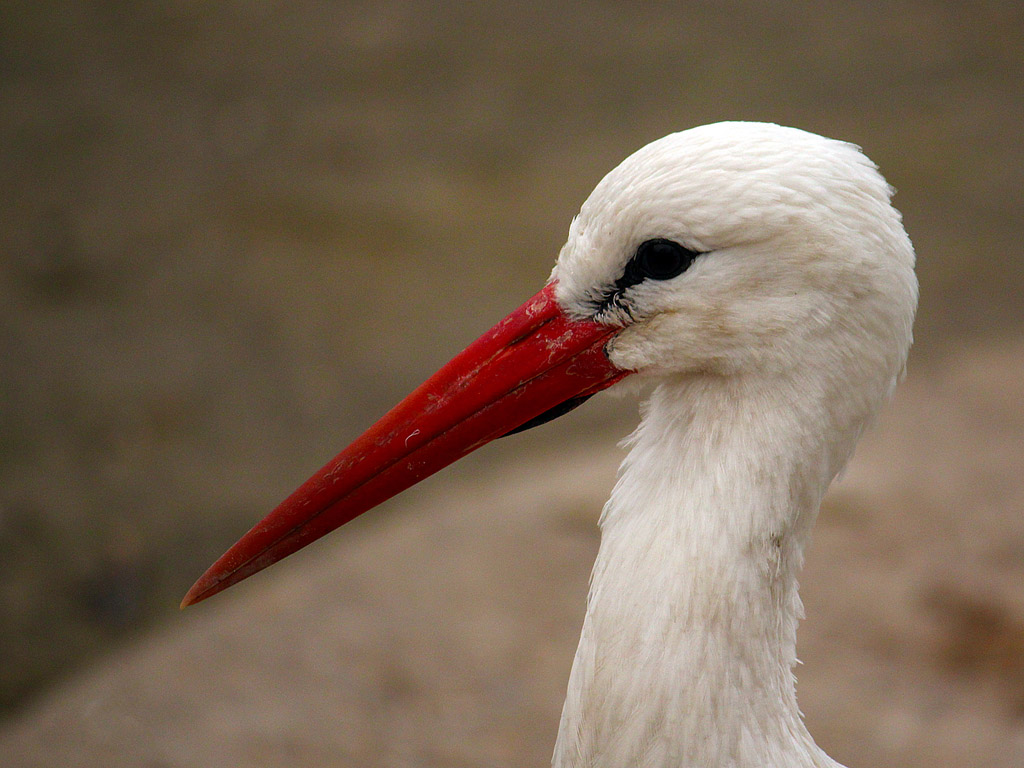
(743, 248)
(735, 249)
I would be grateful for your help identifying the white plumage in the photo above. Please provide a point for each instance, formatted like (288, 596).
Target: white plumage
(768, 358)
(759, 279)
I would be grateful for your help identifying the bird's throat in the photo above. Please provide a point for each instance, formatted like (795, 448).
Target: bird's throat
(689, 641)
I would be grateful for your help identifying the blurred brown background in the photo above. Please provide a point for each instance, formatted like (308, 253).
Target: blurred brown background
(234, 233)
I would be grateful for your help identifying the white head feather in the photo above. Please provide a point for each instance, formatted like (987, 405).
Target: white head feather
(797, 231)
(771, 353)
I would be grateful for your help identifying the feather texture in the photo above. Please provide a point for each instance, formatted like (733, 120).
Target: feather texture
(769, 356)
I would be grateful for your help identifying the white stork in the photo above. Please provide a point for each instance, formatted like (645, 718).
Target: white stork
(759, 278)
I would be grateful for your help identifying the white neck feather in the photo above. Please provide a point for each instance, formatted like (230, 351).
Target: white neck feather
(689, 641)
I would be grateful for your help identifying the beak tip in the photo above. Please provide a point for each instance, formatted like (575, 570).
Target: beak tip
(202, 589)
(190, 598)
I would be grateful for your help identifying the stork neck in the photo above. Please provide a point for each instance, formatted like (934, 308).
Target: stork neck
(689, 641)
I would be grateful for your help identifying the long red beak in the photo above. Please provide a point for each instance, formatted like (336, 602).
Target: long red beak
(533, 363)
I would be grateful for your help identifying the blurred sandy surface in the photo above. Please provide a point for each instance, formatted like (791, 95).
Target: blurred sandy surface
(232, 234)
(444, 637)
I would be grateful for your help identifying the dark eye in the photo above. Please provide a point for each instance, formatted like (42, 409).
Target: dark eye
(657, 259)
(660, 260)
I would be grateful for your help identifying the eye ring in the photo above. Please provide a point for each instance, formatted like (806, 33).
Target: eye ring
(656, 259)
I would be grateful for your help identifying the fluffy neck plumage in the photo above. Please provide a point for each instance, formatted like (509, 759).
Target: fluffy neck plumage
(689, 641)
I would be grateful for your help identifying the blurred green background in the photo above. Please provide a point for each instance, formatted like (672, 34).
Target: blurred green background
(233, 233)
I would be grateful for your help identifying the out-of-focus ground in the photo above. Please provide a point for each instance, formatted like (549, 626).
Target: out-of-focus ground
(441, 634)
(232, 234)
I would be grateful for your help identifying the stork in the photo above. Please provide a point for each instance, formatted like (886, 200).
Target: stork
(760, 280)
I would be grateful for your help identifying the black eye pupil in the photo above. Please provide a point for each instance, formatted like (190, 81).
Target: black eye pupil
(661, 259)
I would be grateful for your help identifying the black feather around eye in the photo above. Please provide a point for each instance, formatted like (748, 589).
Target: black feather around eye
(657, 259)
